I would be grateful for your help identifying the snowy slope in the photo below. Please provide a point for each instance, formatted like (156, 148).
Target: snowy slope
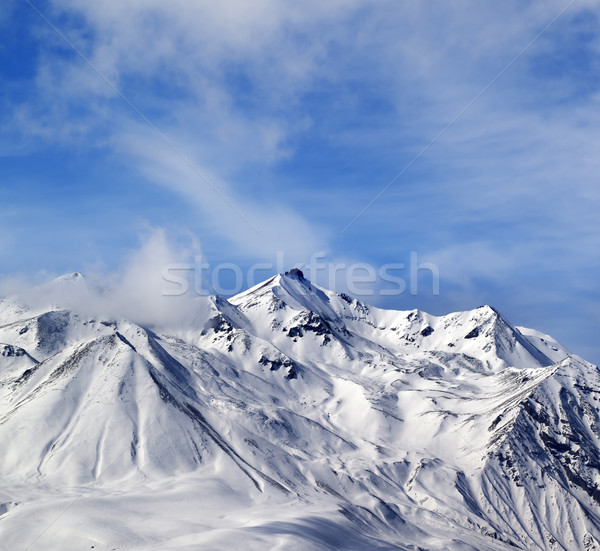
(290, 417)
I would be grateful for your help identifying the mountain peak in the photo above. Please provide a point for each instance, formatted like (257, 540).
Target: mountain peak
(70, 276)
(295, 273)
(76, 278)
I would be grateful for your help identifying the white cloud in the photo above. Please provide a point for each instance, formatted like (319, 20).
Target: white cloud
(138, 291)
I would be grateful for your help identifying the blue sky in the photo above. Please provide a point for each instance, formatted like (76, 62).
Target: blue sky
(299, 116)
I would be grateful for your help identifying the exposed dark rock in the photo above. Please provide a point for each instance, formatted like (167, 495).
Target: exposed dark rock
(309, 322)
(552, 443)
(427, 331)
(295, 272)
(11, 351)
(495, 422)
(278, 363)
(218, 324)
(472, 334)
(345, 298)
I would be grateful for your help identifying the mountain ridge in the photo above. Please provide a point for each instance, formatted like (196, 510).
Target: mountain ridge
(400, 429)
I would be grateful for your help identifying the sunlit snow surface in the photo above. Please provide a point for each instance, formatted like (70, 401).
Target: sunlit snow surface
(290, 417)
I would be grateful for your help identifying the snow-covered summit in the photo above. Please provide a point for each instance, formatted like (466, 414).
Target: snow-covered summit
(70, 282)
(69, 278)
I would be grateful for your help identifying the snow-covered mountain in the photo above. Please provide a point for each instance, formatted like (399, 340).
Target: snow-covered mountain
(291, 417)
